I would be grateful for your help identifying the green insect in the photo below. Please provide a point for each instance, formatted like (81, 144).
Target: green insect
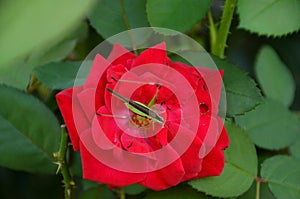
(140, 108)
(142, 115)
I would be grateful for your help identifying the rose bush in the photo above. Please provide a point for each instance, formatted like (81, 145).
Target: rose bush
(88, 110)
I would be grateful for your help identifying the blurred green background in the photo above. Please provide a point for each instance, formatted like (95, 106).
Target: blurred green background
(34, 33)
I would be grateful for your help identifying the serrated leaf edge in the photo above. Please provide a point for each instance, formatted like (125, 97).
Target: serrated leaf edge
(28, 138)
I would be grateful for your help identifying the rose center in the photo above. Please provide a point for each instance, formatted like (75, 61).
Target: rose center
(140, 120)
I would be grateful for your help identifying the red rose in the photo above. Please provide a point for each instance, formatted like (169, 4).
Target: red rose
(120, 147)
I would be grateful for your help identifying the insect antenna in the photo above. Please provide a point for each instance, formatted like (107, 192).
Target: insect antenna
(138, 82)
(114, 116)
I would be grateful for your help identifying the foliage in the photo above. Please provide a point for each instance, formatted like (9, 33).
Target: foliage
(240, 168)
(43, 43)
(257, 16)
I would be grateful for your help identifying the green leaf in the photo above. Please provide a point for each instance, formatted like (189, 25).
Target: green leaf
(17, 74)
(61, 50)
(59, 75)
(30, 133)
(34, 24)
(295, 149)
(283, 176)
(271, 17)
(178, 192)
(108, 16)
(242, 95)
(239, 171)
(134, 189)
(88, 184)
(76, 169)
(98, 193)
(271, 125)
(263, 193)
(274, 77)
(180, 15)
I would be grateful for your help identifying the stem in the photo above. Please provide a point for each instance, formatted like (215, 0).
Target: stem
(223, 31)
(297, 113)
(257, 189)
(212, 32)
(258, 182)
(122, 193)
(128, 27)
(33, 84)
(62, 163)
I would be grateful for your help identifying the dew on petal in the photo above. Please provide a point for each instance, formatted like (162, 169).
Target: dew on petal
(115, 138)
(203, 108)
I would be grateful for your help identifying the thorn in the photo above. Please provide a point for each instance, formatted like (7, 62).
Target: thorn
(69, 192)
(58, 168)
(72, 183)
(55, 154)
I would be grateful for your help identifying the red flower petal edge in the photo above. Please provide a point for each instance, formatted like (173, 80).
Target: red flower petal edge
(80, 104)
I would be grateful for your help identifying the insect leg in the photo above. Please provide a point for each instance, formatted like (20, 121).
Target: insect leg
(114, 116)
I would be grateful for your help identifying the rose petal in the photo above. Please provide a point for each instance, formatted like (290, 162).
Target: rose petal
(115, 72)
(136, 145)
(109, 134)
(174, 83)
(209, 132)
(119, 55)
(86, 99)
(70, 107)
(213, 86)
(223, 141)
(107, 139)
(99, 95)
(190, 159)
(204, 99)
(144, 94)
(155, 54)
(213, 163)
(98, 68)
(162, 137)
(99, 172)
(210, 129)
(189, 72)
(166, 177)
(165, 95)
